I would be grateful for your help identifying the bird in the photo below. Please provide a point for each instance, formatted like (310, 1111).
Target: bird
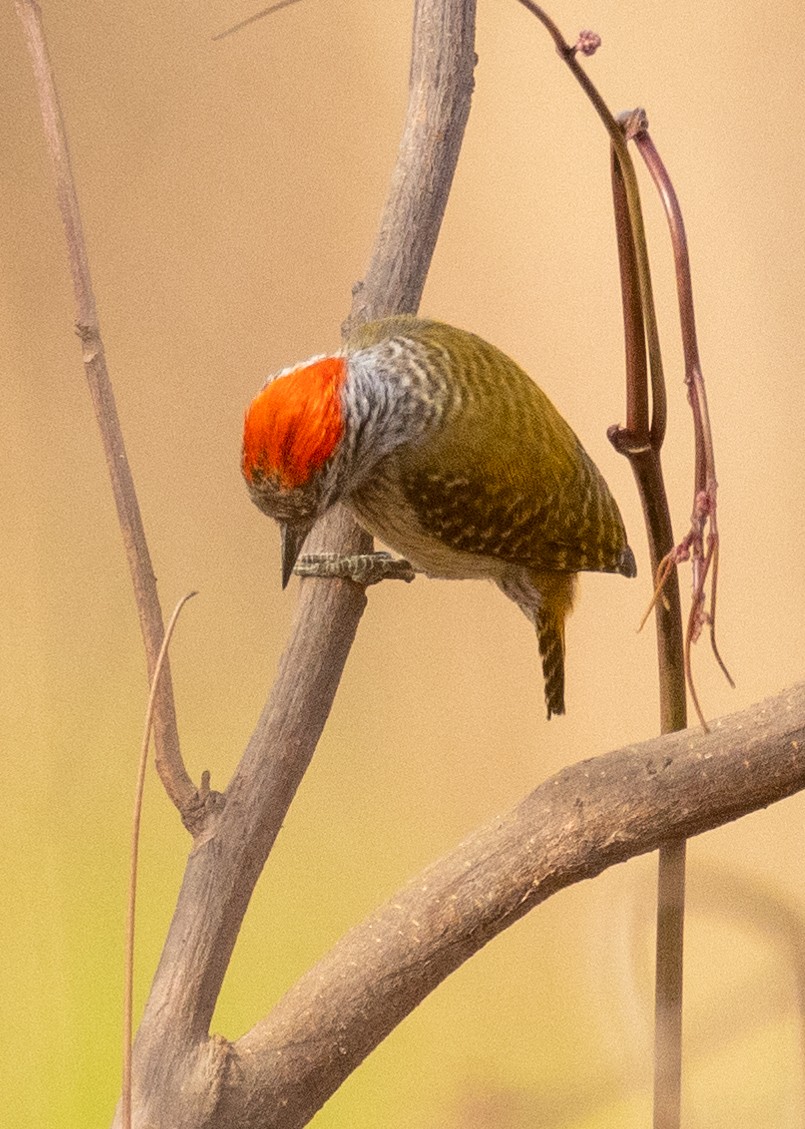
(444, 449)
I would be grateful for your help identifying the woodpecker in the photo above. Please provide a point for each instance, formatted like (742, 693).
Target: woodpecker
(446, 451)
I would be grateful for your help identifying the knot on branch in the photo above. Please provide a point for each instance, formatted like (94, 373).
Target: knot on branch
(202, 806)
(633, 122)
(91, 344)
(626, 442)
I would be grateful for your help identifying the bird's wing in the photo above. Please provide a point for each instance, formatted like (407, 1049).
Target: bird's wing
(508, 478)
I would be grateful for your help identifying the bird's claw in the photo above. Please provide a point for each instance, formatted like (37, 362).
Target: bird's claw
(362, 568)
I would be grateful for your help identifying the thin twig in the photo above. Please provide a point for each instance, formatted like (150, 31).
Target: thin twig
(641, 442)
(128, 981)
(169, 761)
(585, 44)
(702, 541)
(253, 19)
(642, 447)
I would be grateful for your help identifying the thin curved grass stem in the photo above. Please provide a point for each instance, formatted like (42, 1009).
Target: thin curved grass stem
(128, 973)
(713, 591)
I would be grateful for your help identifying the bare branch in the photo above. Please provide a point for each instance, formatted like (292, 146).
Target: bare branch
(586, 818)
(440, 89)
(173, 1059)
(641, 443)
(169, 761)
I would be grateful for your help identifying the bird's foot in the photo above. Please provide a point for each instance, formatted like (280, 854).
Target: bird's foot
(362, 568)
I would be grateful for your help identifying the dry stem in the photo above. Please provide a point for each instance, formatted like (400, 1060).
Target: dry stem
(641, 441)
(169, 761)
(701, 543)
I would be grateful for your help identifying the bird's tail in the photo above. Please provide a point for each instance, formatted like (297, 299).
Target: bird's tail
(551, 640)
(556, 602)
(547, 600)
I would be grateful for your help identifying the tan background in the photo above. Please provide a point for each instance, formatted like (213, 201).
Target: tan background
(230, 194)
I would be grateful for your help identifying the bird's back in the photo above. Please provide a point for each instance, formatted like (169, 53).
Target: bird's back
(500, 473)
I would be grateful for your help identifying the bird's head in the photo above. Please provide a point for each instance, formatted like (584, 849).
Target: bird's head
(291, 434)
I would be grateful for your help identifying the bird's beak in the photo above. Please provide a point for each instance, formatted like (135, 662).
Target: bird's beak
(293, 537)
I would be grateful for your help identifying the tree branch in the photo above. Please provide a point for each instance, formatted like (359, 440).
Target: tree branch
(177, 1069)
(440, 89)
(573, 826)
(169, 761)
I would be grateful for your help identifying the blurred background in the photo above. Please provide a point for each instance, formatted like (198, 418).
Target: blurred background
(230, 195)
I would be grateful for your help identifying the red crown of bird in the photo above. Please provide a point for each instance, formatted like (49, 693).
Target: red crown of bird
(295, 424)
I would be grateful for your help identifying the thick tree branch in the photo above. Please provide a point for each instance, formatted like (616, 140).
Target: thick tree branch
(440, 89)
(586, 818)
(177, 1070)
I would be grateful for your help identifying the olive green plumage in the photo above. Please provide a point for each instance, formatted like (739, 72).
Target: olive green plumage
(449, 453)
(501, 473)
(491, 482)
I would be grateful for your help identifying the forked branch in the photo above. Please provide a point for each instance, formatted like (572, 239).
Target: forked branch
(177, 1068)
